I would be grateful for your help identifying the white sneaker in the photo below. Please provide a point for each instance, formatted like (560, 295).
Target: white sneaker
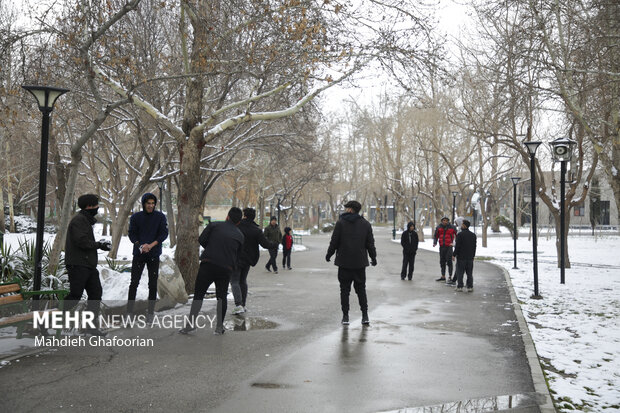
(238, 310)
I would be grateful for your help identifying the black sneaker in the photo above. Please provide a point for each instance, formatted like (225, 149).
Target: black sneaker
(365, 319)
(451, 282)
(345, 319)
(187, 329)
(441, 279)
(219, 331)
(267, 268)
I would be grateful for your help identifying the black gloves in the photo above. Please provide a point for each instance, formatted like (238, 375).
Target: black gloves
(328, 257)
(373, 262)
(104, 245)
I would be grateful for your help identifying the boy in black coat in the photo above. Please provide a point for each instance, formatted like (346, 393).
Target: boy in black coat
(465, 251)
(409, 241)
(353, 242)
(81, 258)
(248, 258)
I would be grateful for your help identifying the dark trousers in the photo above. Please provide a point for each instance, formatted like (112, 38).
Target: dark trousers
(465, 266)
(209, 273)
(239, 284)
(445, 258)
(356, 276)
(408, 261)
(286, 258)
(83, 278)
(137, 267)
(273, 254)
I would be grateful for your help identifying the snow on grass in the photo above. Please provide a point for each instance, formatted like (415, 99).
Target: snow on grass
(575, 326)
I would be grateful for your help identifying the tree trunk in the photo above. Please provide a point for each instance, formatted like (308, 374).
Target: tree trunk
(556, 218)
(67, 212)
(117, 226)
(2, 217)
(172, 232)
(189, 202)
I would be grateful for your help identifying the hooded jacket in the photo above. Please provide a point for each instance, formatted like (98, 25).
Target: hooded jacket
(465, 248)
(222, 242)
(80, 245)
(253, 238)
(145, 228)
(352, 241)
(409, 240)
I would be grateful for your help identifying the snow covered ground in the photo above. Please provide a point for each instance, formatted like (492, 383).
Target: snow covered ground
(575, 326)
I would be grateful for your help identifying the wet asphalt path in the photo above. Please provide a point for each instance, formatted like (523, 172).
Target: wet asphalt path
(427, 345)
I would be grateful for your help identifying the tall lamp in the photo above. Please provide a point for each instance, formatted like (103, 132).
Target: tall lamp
(515, 180)
(46, 98)
(454, 194)
(562, 151)
(415, 198)
(531, 149)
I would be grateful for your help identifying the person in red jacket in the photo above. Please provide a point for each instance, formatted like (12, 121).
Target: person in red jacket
(287, 247)
(445, 234)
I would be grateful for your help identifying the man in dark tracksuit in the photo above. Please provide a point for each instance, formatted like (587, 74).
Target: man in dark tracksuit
(222, 243)
(147, 231)
(81, 258)
(445, 234)
(353, 242)
(273, 234)
(249, 257)
(409, 240)
(464, 252)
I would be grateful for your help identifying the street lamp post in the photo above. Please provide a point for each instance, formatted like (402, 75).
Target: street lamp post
(531, 148)
(515, 180)
(278, 195)
(46, 98)
(454, 194)
(415, 198)
(562, 149)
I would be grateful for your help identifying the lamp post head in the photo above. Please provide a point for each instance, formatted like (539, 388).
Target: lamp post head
(515, 179)
(532, 146)
(562, 149)
(454, 193)
(45, 95)
(415, 198)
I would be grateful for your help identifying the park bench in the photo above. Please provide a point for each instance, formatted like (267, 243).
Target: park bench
(14, 309)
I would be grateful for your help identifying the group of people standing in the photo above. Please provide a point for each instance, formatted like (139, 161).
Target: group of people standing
(147, 231)
(454, 244)
(231, 247)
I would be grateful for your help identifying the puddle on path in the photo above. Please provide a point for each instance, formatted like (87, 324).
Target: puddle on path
(249, 323)
(270, 385)
(485, 404)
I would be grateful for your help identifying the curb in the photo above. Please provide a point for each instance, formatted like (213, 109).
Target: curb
(538, 378)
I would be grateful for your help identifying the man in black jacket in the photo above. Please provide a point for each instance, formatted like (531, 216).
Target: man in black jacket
(409, 241)
(249, 257)
(147, 231)
(222, 243)
(353, 242)
(81, 258)
(465, 251)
